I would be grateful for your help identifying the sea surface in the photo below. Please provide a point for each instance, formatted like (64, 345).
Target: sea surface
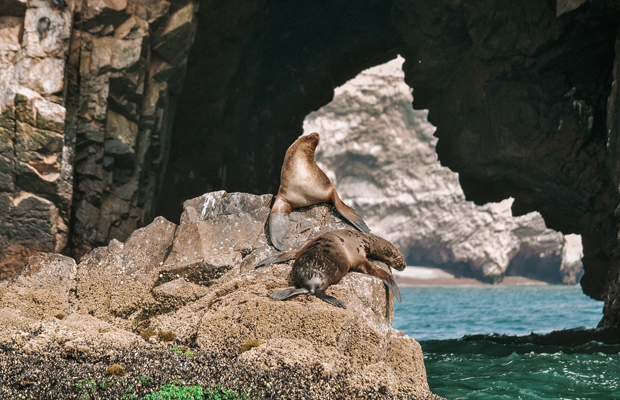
(440, 316)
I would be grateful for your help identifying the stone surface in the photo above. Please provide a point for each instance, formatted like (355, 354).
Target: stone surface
(97, 309)
(44, 287)
(72, 125)
(35, 155)
(123, 113)
(380, 155)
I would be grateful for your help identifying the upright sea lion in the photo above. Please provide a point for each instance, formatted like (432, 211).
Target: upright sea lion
(324, 260)
(303, 183)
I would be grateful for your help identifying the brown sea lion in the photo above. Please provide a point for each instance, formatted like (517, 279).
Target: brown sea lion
(303, 183)
(324, 260)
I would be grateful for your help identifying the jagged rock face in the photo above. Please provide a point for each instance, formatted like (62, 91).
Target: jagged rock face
(36, 170)
(380, 155)
(86, 116)
(517, 115)
(198, 280)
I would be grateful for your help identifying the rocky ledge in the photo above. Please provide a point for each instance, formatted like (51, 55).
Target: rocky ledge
(194, 285)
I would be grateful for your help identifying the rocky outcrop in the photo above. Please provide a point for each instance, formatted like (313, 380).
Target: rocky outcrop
(197, 282)
(86, 109)
(380, 155)
(36, 164)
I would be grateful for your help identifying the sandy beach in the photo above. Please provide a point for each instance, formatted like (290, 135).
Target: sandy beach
(416, 276)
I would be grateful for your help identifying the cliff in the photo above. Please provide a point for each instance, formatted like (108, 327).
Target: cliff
(380, 154)
(195, 285)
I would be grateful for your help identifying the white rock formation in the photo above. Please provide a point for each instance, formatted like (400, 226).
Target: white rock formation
(380, 154)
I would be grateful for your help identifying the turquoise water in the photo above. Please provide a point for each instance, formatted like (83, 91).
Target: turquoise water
(480, 369)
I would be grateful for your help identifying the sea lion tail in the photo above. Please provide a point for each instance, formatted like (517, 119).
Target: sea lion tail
(328, 299)
(288, 293)
(390, 283)
(278, 258)
(349, 214)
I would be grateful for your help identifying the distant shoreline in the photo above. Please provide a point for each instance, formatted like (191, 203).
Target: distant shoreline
(425, 276)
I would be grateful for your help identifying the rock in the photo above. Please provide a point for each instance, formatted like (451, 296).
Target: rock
(55, 43)
(12, 322)
(74, 335)
(175, 294)
(28, 226)
(110, 54)
(380, 155)
(305, 330)
(43, 289)
(172, 41)
(148, 283)
(116, 282)
(49, 116)
(11, 29)
(46, 76)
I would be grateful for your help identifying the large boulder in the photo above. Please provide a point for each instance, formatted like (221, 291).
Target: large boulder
(195, 285)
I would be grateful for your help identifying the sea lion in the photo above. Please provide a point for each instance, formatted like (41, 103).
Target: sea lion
(324, 260)
(303, 183)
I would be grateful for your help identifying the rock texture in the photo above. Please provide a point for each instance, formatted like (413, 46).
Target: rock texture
(380, 154)
(36, 163)
(197, 281)
(86, 109)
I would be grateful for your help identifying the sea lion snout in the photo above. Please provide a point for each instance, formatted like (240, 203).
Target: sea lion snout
(313, 284)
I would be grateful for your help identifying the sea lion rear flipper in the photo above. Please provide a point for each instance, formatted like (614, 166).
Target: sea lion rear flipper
(278, 258)
(349, 214)
(288, 293)
(328, 299)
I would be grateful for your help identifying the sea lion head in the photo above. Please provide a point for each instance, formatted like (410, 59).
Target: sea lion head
(311, 140)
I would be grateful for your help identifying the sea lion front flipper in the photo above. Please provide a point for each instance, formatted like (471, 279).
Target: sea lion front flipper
(288, 293)
(279, 223)
(371, 269)
(328, 299)
(278, 258)
(393, 287)
(279, 227)
(349, 214)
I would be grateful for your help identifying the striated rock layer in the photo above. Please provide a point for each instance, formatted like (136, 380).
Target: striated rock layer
(380, 154)
(86, 108)
(197, 282)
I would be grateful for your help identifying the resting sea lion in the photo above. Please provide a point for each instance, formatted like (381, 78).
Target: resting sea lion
(303, 183)
(324, 260)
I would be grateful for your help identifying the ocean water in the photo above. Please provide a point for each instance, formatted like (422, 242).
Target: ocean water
(473, 368)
